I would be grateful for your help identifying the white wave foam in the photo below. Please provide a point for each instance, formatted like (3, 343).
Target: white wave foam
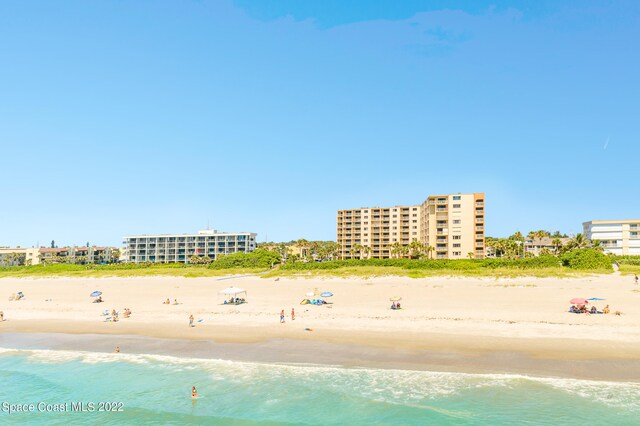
(383, 385)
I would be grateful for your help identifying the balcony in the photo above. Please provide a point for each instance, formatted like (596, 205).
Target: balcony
(479, 220)
(479, 228)
(480, 212)
(479, 203)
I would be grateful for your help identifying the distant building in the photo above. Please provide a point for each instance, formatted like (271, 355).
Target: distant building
(452, 224)
(35, 256)
(19, 256)
(535, 245)
(80, 255)
(179, 248)
(621, 237)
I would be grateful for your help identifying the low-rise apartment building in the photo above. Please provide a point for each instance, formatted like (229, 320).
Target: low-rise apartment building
(453, 225)
(19, 256)
(535, 246)
(179, 248)
(620, 237)
(35, 256)
(80, 255)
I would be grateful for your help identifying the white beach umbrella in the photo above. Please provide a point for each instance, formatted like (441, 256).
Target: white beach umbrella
(233, 291)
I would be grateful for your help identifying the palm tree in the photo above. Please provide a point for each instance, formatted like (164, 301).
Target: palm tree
(357, 249)
(557, 244)
(579, 241)
(367, 251)
(395, 249)
(303, 245)
(518, 237)
(470, 255)
(404, 251)
(415, 249)
(429, 250)
(596, 245)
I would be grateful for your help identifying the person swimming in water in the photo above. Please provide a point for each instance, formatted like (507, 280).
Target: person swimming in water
(194, 392)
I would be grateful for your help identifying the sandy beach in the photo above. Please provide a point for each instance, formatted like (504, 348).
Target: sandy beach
(510, 325)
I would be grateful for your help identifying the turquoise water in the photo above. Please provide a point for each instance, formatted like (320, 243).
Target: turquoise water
(156, 390)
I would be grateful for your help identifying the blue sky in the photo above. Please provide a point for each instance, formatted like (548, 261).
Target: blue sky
(126, 117)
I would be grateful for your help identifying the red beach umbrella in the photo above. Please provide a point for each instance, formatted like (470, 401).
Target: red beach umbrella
(579, 301)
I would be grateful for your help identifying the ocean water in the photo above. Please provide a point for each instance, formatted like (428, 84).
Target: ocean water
(153, 389)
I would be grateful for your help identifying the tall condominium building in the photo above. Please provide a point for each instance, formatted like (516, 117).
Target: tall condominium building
(620, 237)
(452, 224)
(174, 248)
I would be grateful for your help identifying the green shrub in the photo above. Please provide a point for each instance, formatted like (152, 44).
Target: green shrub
(256, 259)
(627, 260)
(431, 264)
(586, 258)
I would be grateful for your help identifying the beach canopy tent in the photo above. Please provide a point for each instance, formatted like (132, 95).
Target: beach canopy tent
(234, 292)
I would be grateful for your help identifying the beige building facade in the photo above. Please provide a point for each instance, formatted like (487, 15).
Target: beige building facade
(620, 237)
(19, 256)
(453, 225)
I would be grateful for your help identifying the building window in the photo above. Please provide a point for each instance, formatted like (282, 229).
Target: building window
(456, 221)
(457, 253)
(456, 237)
(415, 215)
(456, 245)
(456, 206)
(456, 198)
(414, 233)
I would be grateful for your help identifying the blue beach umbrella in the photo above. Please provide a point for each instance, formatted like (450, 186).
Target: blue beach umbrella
(596, 298)
(95, 293)
(326, 294)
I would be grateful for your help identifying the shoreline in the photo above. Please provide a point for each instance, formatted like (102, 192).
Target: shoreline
(477, 325)
(438, 354)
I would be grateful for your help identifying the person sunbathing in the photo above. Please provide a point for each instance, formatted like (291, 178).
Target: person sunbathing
(594, 310)
(166, 302)
(606, 309)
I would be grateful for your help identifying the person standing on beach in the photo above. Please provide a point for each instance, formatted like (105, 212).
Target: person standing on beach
(117, 349)
(293, 314)
(282, 317)
(191, 320)
(2, 315)
(636, 279)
